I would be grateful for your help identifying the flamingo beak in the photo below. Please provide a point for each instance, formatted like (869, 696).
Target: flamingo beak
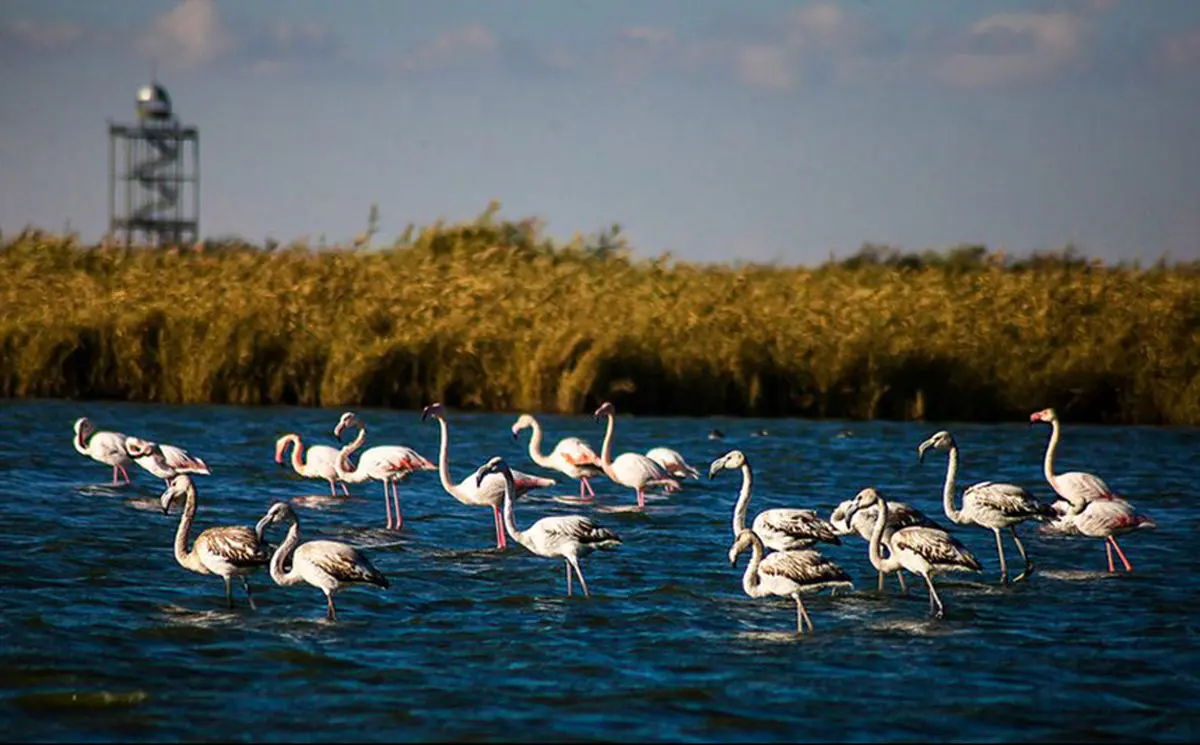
(717, 465)
(921, 451)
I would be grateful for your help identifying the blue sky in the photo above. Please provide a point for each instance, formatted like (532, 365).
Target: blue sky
(763, 131)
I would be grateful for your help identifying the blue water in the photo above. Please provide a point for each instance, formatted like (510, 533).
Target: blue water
(104, 637)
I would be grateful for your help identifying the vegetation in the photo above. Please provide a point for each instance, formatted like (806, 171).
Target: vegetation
(490, 314)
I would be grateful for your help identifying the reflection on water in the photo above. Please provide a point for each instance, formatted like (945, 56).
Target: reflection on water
(105, 637)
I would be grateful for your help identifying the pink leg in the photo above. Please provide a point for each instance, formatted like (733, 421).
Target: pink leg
(1128, 566)
(396, 500)
(501, 543)
(332, 490)
(589, 488)
(344, 489)
(1108, 550)
(641, 499)
(387, 505)
(114, 475)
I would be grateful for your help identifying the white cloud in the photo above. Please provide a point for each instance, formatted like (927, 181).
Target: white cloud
(1014, 48)
(188, 36)
(464, 44)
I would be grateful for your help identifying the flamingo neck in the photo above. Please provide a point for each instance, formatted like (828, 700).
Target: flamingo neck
(952, 512)
(346, 472)
(292, 576)
(606, 449)
(81, 440)
(510, 521)
(444, 460)
(535, 446)
(1048, 464)
(298, 463)
(187, 559)
(743, 502)
(890, 564)
(751, 580)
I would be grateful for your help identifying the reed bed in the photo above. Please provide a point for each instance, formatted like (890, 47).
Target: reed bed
(491, 315)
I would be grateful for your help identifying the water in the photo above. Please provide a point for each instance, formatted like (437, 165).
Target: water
(104, 637)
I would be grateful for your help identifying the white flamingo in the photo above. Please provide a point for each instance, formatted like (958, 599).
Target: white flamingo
(388, 464)
(781, 528)
(319, 462)
(1079, 489)
(229, 551)
(329, 566)
(923, 551)
(103, 447)
(1108, 518)
(673, 462)
(989, 504)
(571, 456)
(164, 461)
(632, 470)
(900, 515)
(568, 537)
(479, 492)
(786, 574)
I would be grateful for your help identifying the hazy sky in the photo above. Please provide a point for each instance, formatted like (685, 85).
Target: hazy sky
(761, 130)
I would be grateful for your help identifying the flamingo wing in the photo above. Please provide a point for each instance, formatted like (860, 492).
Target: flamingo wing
(341, 561)
(672, 462)
(575, 451)
(1008, 499)
(935, 546)
(804, 567)
(1078, 486)
(634, 469)
(795, 523)
(181, 461)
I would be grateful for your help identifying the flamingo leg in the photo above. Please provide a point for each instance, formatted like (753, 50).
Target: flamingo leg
(1000, 551)
(804, 612)
(501, 543)
(641, 499)
(228, 592)
(114, 475)
(1108, 550)
(387, 505)
(330, 611)
(344, 489)
(249, 596)
(935, 603)
(332, 490)
(799, 614)
(588, 484)
(879, 584)
(1028, 564)
(582, 582)
(396, 499)
(1128, 566)
(903, 587)
(567, 564)
(126, 475)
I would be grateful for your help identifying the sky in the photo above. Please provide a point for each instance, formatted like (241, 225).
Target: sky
(765, 131)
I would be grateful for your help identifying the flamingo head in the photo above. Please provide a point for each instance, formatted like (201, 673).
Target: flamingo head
(494, 465)
(278, 512)
(1045, 415)
(434, 409)
(83, 429)
(733, 460)
(281, 446)
(865, 498)
(606, 409)
(524, 421)
(177, 487)
(349, 419)
(941, 441)
(743, 541)
(137, 447)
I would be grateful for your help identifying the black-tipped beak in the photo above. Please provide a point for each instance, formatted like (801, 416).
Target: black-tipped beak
(850, 514)
(479, 479)
(713, 469)
(514, 434)
(921, 452)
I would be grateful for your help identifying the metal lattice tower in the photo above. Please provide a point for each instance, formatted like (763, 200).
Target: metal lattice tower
(154, 174)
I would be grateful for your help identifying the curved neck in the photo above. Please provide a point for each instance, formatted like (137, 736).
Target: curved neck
(606, 449)
(743, 502)
(342, 466)
(297, 451)
(948, 489)
(187, 559)
(890, 564)
(81, 439)
(1048, 465)
(292, 576)
(750, 579)
(535, 446)
(444, 458)
(510, 521)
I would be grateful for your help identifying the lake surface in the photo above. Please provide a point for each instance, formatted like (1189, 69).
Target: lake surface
(104, 637)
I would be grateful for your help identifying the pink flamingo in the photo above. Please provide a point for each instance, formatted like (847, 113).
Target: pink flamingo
(390, 464)
(632, 470)
(479, 489)
(103, 447)
(571, 456)
(164, 461)
(320, 462)
(1095, 510)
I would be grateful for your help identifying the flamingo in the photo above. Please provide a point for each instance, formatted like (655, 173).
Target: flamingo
(164, 461)
(900, 515)
(786, 574)
(103, 447)
(673, 462)
(632, 470)
(1063, 522)
(1079, 489)
(567, 536)
(320, 462)
(327, 565)
(988, 504)
(571, 456)
(389, 464)
(1108, 518)
(485, 492)
(921, 550)
(229, 551)
(780, 529)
